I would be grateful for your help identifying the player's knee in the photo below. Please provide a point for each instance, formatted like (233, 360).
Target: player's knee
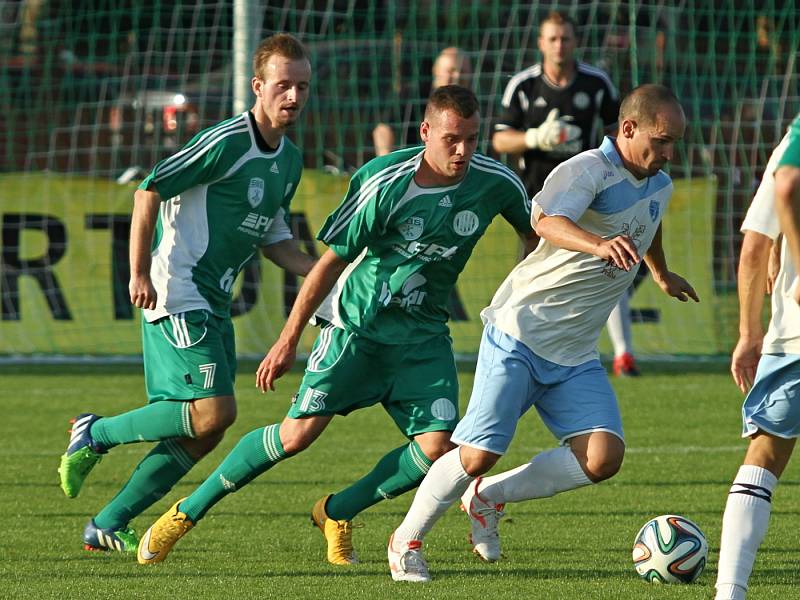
(199, 447)
(477, 462)
(295, 441)
(212, 418)
(603, 465)
(436, 448)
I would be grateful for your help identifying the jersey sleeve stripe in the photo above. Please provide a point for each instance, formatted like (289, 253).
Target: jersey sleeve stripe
(175, 162)
(197, 154)
(352, 206)
(508, 174)
(363, 199)
(517, 79)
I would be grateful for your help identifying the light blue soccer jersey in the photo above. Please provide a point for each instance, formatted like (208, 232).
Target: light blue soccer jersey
(557, 301)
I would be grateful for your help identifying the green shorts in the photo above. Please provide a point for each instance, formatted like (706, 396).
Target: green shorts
(416, 383)
(188, 356)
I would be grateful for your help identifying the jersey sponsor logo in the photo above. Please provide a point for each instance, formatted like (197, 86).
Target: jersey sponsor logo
(540, 102)
(581, 100)
(426, 252)
(446, 202)
(255, 224)
(274, 168)
(255, 191)
(633, 230)
(313, 400)
(443, 409)
(466, 222)
(411, 292)
(208, 370)
(412, 228)
(654, 208)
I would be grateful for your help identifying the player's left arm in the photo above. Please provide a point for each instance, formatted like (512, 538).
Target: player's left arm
(671, 283)
(288, 256)
(787, 205)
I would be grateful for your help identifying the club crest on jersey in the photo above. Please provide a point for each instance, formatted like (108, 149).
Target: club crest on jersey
(255, 192)
(654, 210)
(412, 228)
(581, 100)
(466, 222)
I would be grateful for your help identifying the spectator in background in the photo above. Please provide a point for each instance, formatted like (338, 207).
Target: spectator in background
(451, 67)
(551, 111)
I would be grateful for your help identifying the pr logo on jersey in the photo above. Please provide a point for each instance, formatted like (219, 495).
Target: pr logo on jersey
(255, 191)
(654, 208)
(412, 228)
(581, 100)
(255, 224)
(466, 222)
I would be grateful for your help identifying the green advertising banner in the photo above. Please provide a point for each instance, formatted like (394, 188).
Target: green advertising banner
(65, 272)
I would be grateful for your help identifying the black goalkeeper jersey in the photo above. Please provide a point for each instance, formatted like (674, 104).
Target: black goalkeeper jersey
(591, 100)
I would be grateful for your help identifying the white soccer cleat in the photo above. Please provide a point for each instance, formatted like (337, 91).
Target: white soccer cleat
(406, 562)
(484, 516)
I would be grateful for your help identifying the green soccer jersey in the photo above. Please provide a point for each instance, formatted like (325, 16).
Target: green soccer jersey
(407, 244)
(791, 156)
(226, 194)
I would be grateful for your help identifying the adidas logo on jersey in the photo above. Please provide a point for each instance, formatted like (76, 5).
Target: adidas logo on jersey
(274, 168)
(540, 102)
(255, 224)
(446, 202)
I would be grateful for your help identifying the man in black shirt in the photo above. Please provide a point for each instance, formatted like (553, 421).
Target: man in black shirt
(551, 111)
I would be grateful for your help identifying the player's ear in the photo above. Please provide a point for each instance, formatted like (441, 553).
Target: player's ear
(425, 131)
(627, 128)
(256, 84)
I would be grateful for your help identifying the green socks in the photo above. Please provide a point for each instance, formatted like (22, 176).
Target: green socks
(401, 470)
(151, 423)
(153, 477)
(255, 453)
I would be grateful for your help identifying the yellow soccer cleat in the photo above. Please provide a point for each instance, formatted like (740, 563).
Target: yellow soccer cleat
(159, 539)
(339, 534)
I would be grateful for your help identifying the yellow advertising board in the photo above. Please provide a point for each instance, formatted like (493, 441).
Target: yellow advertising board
(64, 271)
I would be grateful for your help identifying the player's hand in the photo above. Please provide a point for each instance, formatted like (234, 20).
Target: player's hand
(142, 292)
(676, 286)
(744, 361)
(620, 251)
(278, 360)
(773, 266)
(554, 134)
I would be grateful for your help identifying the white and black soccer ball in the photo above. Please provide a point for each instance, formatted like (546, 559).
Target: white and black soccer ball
(670, 549)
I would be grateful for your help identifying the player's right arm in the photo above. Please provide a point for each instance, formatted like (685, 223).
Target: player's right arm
(146, 204)
(315, 288)
(752, 285)
(567, 193)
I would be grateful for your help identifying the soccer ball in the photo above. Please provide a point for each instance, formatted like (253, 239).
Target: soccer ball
(670, 549)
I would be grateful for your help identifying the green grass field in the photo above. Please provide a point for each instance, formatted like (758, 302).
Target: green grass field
(681, 426)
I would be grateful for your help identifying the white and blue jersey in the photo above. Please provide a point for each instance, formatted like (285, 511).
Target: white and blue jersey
(557, 301)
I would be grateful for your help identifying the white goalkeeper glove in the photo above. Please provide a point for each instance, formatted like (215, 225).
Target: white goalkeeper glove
(554, 135)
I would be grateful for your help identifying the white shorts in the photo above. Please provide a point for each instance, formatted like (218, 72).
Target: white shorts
(773, 403)
(510, 378)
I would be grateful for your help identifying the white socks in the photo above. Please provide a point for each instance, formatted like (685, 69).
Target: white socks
(443, 485)
(619, 326)
(547, 474)
(744, 526)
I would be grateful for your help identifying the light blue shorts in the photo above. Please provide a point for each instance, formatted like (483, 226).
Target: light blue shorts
(510, 378)
(773, 403)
